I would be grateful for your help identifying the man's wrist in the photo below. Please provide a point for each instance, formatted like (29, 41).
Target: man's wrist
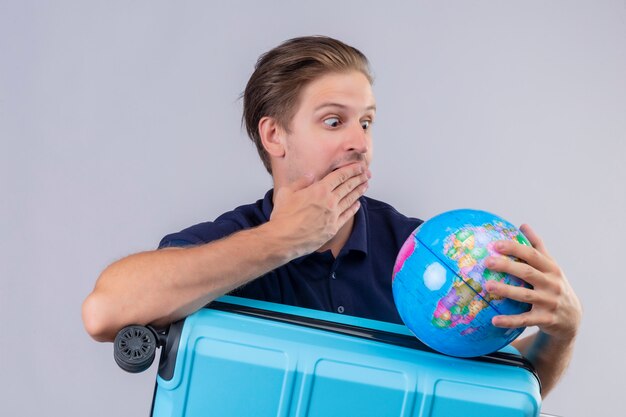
(279, 246)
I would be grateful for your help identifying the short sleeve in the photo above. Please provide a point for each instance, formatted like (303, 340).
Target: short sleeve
(200, 233)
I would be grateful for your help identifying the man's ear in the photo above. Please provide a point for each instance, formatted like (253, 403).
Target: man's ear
(272, 136)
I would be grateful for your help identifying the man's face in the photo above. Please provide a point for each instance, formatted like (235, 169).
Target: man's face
(331, 127)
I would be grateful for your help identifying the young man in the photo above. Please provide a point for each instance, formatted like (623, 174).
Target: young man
(315, 240)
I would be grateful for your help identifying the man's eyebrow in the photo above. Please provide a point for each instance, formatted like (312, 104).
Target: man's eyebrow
(341, 106)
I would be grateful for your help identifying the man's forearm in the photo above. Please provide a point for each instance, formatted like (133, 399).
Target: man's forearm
(159, 287)
(549, 356)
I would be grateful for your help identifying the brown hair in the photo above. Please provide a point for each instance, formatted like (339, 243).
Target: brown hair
(281, 73)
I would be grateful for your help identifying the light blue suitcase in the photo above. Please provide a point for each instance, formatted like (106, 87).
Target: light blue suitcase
(241, 357)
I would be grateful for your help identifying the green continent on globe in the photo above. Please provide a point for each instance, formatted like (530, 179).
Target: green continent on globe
(466, 298)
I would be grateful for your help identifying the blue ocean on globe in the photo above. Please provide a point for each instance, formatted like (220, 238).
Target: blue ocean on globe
(439, 283)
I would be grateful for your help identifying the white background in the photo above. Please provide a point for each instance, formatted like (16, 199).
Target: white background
(120, 123)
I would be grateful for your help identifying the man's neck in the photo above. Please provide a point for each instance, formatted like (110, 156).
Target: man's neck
(339, 240)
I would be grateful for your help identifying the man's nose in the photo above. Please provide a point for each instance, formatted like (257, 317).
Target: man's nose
(357, 139)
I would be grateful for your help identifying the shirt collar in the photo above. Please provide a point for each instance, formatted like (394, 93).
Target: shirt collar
(358, 238)
(268, 205)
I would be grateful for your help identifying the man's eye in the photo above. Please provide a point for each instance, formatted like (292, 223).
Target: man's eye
(332, 121)
(366, 124)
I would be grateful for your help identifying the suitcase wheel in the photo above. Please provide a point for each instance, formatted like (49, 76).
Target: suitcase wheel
(134, 348)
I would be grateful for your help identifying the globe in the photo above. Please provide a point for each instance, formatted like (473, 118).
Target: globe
(439, 281)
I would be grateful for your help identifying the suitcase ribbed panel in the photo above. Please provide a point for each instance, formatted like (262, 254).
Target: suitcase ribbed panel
(239, 364)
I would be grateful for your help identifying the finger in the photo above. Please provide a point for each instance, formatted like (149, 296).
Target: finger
(527, 319)
(524, 271)
(351, 185)
(528, 254)
(349, 199)
(534, 239)
(348, 213)
(341, 175)
(514, 321)
(513, 292)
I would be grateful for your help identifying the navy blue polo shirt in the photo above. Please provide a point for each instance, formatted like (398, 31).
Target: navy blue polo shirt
(356, 283)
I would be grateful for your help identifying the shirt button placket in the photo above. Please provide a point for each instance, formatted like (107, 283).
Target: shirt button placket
(333, 276)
